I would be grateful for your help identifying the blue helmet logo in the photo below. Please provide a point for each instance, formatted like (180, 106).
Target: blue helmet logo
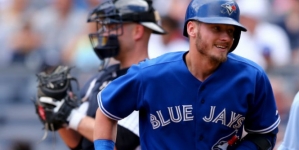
(230, 8)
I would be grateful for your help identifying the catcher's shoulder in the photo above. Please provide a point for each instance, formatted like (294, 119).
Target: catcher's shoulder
(163, 60)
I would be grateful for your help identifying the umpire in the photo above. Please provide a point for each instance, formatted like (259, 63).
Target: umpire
(123, 31)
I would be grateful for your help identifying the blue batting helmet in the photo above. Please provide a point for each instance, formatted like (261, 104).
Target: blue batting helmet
(215, 12)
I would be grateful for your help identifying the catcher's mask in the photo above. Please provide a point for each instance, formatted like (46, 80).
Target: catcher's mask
(55, 82)
(215, 12)
(110, 17)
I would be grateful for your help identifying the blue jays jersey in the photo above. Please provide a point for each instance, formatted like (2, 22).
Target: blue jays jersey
(177, 111)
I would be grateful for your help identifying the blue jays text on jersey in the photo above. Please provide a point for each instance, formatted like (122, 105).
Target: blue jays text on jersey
(186, 114)
(177, 111)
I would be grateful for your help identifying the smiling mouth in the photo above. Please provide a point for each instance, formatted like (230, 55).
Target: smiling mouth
(222, 47)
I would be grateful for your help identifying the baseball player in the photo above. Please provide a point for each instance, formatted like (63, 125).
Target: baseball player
(291, 136)
(124, 28)
(199, 99)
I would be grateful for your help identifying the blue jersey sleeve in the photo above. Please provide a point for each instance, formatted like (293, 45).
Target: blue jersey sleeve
(120, 97)
(263, 115)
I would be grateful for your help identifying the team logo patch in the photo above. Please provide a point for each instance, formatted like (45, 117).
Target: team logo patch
(224, 142)
(230, 8)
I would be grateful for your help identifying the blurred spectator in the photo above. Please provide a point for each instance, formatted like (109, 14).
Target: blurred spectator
(11, 18)
(58, 23)
(79, 50)
(86, 4)
(92, 3)
(283, 96)
(170, 42)
(280, 7)
(290, 23)
(4, 4)
(162, 6)
(265, 43)
(4, 55)
(13, 14)
(176, 9)
(25, 48)
(290, 140)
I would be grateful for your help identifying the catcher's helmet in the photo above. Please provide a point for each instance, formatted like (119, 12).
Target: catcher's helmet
(215, 12)
(110, 15)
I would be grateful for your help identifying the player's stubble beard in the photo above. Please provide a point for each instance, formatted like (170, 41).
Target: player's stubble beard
(202, 48)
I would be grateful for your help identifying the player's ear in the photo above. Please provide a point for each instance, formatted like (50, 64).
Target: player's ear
(191, 28)
(138, 31)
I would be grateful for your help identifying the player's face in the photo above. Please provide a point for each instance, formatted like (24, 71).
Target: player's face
(126, 41)
(214, 40)
(124, 35)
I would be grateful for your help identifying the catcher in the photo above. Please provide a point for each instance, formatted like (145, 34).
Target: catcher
(124, 28)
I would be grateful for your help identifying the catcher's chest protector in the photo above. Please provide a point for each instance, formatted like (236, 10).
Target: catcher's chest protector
(102, 79)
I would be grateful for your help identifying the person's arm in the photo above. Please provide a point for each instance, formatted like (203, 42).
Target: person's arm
(86, 127)
(70, 137)
(254, 141)
(104, 131)
(76, 123)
